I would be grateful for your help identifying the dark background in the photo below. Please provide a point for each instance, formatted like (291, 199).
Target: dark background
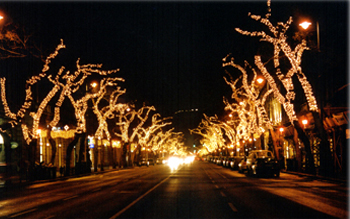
(170, 53)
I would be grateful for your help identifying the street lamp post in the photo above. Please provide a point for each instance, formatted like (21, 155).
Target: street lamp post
(282, 147)
(305, 25)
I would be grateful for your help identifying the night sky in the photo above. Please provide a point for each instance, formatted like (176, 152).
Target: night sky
(170, 53)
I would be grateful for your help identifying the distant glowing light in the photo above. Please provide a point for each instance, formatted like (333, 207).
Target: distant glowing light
(305, 25)
(260, 80)
(94, 84)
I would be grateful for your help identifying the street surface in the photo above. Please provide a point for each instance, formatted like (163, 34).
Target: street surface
(197, 190)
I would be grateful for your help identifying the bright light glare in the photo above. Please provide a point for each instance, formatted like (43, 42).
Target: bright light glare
(260, 80)
(174, 163)
(94, 84)
(305, 25)
(189, 159)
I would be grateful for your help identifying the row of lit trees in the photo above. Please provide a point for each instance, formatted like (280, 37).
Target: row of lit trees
(115, 119)
(247, 107)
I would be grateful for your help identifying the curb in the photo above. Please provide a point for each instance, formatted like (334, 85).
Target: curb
(338, 180)
(19, 184)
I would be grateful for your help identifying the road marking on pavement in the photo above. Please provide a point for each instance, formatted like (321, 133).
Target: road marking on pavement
(74, 196)
(96, 190)
(128, 192)
(232, 207)
(217, 186)
(222, 194)
(139, 198)
(24, 212)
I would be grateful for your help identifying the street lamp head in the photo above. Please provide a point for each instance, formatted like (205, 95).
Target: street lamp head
(94, 84)
(260, 80)
(281, 129)
(305, 25)
(304, 121)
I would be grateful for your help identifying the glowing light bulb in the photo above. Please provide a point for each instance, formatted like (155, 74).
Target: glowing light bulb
(305, 25)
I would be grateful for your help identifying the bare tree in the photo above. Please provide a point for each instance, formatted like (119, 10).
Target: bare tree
(16, 43)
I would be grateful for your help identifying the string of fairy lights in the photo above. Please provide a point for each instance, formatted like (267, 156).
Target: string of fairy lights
(247, 106)
(66, 85)
(248, 115)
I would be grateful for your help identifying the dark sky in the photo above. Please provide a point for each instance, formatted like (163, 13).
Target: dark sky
(170, 53)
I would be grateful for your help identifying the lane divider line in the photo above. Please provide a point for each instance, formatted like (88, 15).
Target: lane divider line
(138, 199)
(75, 196)
(232, 207)
(24, 212)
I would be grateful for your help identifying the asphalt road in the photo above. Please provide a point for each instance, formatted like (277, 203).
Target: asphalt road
(198, 190)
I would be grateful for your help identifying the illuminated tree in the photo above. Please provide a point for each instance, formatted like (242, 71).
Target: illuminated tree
(110, 92)
(68, 83)
(213, 133)
(249, 116)
(277, 75)
(158, 141)
(21, 116)
(72, 83)
(175, 144)
(146, 134)
(129, 122)
(16, 118)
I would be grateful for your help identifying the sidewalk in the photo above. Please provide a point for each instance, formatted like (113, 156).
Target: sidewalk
(338, 180)
(16, 182)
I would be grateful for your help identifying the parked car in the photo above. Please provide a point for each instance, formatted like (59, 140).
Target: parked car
(235, 161)
(262, 162)
(146, 162)
(219, 161)
(242, 166)
(228, 162)
(223, 162)
(159, 160)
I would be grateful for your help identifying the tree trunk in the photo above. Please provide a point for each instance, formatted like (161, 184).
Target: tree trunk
(310, 164)
(88, 161)
(53, 148)
(297, 150)
(32, 158)
(326, 165)
(8, 157)
(275, 147)
(82, 147)
(102, 150)
(81, 167)
(69, 152)
(124, 154)
(95, 151)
